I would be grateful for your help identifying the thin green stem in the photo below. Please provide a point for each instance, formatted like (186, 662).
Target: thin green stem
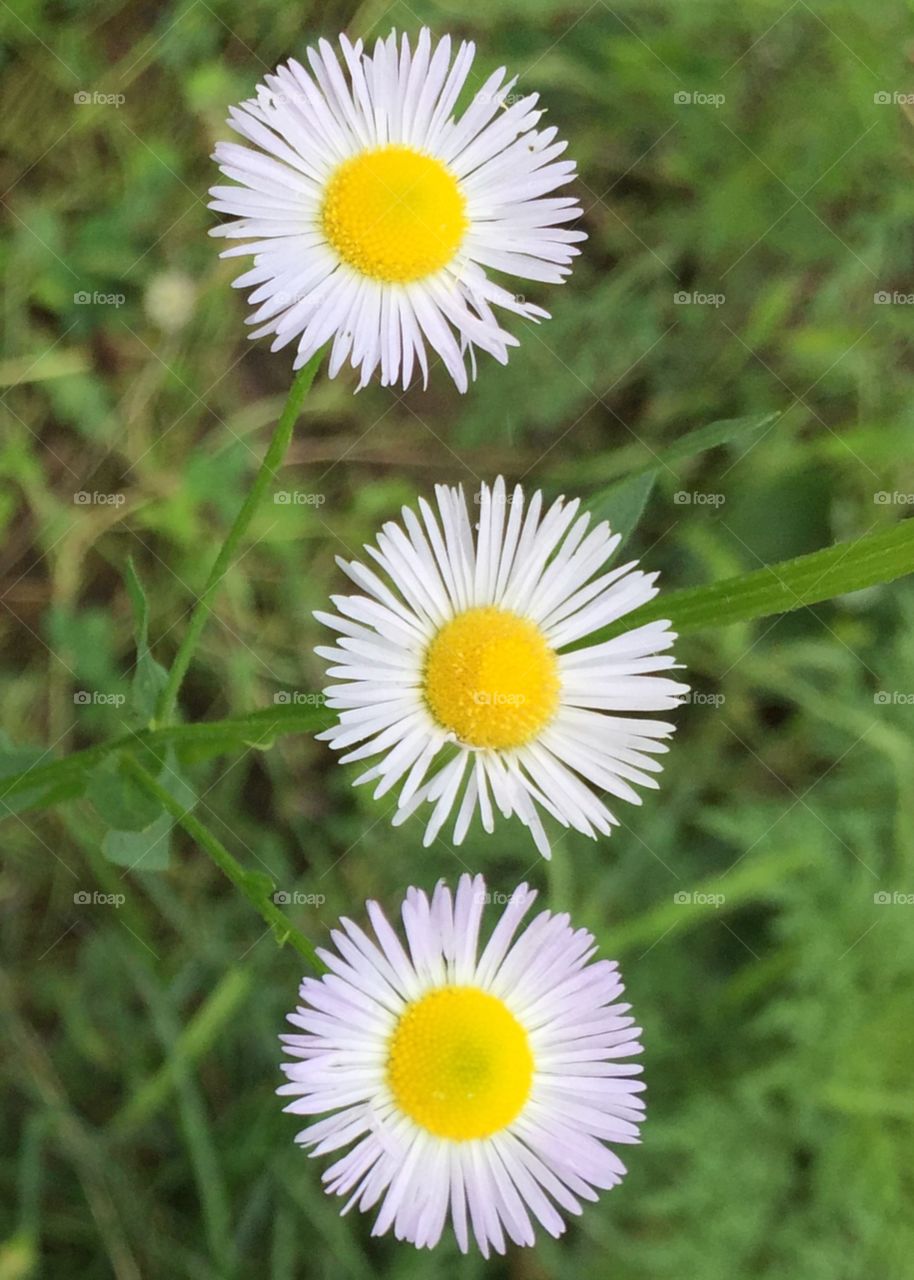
(255, 887)
(793, 584)
(266, 473)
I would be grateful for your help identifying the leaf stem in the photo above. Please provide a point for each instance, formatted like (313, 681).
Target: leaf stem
(266, 473)
(251, 885)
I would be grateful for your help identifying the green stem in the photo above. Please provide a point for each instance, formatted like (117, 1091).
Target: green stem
(266, 473)
(849, 566)
(252, 885)
(40, 785)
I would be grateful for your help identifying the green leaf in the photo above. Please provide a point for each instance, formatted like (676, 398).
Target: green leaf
(25, 785)
(781, 588)
(713, 435)
(792, 584)
(149, 677)
(624, 463)
(118, 800)
(41, 785)
(146, 850)
(623, 503)
(15, 759)
(140, 828)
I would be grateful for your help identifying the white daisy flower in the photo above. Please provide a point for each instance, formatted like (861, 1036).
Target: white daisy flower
(480, 1088)
(471, 654)
(374, 216)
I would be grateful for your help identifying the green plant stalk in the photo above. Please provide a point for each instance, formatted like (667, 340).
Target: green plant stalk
(42, 785)
(250, 885)
(868, 561)
(266, 473)
(877, 558)
(195, 1040)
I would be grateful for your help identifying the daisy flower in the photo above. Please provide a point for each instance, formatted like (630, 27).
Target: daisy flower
(465, 666)
(480, 1088)
(374, 215)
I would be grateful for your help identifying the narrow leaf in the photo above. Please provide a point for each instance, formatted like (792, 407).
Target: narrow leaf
(791, 584)
(623, 503)
(149, 677)
(715, 434)
(146, 850)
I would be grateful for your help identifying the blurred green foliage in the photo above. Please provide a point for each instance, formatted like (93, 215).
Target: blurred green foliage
(140, 1029)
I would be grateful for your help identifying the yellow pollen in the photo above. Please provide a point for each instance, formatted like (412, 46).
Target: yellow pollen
(394, 214)
(491, 678)
(459, 1063)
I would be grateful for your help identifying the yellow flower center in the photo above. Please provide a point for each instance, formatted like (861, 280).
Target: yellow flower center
(394, 214)
(460, 1064)
(491, 678)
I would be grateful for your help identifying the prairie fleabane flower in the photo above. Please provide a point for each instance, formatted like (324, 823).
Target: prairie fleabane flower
(461, 655)
(374, 215)
(476, 1088)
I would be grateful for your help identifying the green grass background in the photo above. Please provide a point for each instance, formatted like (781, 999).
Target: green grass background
(142, 1137)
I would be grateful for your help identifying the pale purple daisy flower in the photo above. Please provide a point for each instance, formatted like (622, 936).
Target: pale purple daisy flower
(485, 1089)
